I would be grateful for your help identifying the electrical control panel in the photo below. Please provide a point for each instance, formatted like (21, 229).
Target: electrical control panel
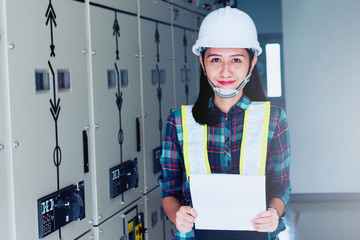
(156, 159)
(136, 228)
(60, 208)
(123, 177)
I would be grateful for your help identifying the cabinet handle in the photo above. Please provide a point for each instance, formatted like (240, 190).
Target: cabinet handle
(138, 143)
(86, 152)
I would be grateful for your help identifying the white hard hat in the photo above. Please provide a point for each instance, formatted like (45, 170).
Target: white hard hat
(227, 28)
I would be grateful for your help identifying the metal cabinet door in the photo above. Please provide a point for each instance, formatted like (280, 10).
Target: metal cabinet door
(87, 236)
(5, 160)
(124, 5)
(116, 105)
(158, 96)
(117, 227)
(182, 17)
(155, 9)
(158, 225)
(155, 216)
(44, 133)
(185, 67)
(197, 22)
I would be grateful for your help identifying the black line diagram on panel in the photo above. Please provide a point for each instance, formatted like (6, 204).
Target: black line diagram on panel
(186, 85)
(55, 111)
(185, 45)
(159, 96)
(157, 41)
(159, 73)
(50, 18)
(116, 33)
(185, 69)
(55, 102)
(119, 101)
(159, 89)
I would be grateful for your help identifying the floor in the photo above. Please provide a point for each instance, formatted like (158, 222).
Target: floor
(322, 221)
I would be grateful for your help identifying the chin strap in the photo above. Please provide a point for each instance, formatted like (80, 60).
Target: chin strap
(228, 93)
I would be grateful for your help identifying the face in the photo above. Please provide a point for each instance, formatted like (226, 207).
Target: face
(227, 68)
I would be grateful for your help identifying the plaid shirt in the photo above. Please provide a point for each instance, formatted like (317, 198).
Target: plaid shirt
(224, 143)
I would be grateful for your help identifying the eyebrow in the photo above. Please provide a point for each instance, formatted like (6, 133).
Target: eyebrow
(219, 55)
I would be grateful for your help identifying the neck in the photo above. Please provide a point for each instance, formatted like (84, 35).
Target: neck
(225, 104)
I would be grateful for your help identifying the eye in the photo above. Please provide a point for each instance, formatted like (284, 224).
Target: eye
(215, 60)
(236, 60)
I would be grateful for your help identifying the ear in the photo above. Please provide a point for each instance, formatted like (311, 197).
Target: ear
(254, 61)
(202, 63)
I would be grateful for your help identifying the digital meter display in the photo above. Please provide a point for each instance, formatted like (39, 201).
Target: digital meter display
(123, 177)
(60, 208)
(47, 220)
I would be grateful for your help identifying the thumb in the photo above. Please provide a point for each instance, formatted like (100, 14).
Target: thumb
(192, 212)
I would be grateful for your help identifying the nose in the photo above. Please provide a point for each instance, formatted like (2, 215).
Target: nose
(226, 70)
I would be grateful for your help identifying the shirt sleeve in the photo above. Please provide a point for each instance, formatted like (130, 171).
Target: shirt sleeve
(278, 159)
(171, 160)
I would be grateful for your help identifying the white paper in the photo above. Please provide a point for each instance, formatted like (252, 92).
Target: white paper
(227, 201)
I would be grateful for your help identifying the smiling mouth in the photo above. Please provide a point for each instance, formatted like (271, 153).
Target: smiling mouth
(226, 82)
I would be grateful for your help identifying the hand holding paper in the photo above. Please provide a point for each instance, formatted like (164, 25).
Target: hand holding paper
(185, 219)
(227, 201)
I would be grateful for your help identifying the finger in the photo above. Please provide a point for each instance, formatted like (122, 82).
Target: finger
(263, 220)
(263, 225)
(266, 227)
(188, 218)
(186, 213)
(184, 226)
(188, 210)
(185, 209)
(193, 212)
(264, 214)
(183, 219)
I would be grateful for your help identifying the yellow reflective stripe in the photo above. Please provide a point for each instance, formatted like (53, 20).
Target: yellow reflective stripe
(264, 139)
(208, 170)
(243, 141)
(185, 141)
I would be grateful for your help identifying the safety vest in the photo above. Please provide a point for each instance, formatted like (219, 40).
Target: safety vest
(253, 144)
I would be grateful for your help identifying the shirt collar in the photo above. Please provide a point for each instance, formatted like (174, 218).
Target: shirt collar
(241, 105)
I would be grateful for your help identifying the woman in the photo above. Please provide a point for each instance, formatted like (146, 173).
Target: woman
(227, 48)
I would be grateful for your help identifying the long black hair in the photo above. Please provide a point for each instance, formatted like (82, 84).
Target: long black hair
(203, 115)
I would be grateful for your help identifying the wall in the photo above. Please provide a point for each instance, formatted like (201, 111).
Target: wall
(266, 14)
(321, 57)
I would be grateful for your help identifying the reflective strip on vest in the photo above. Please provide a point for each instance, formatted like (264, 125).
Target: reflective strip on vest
(253, 144)
(194, 143)
(254, 140)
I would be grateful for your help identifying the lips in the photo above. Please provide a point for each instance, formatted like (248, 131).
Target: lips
(224, 83)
